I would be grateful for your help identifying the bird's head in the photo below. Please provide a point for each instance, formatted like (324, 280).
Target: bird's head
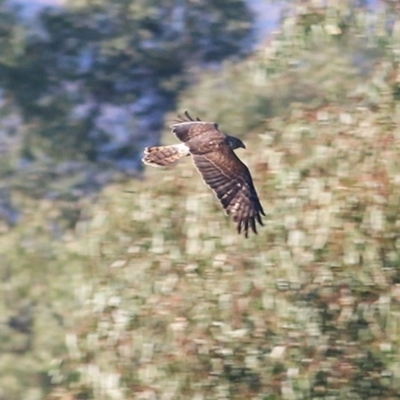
(235, 143)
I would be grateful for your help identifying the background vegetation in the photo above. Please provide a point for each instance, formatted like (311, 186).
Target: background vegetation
(146, 291)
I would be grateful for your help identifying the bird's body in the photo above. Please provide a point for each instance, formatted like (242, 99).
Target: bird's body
(221, 169)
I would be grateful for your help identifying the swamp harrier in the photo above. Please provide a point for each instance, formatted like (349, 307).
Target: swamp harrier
(221, 169)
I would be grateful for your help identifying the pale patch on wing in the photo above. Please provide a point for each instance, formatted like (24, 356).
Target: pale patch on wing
(234, 208)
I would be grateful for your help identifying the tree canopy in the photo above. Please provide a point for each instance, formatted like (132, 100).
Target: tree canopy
(93, 80)
(147, 292)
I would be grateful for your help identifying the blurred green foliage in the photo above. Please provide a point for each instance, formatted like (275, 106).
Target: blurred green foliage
(59, 73)
(153, 295)
(179, 306)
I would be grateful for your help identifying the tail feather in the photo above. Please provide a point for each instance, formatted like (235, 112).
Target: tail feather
(161, 156)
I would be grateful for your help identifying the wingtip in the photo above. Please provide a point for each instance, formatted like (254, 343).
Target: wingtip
(253, 225)
(249, 225)
(186, 117)
(239, 227)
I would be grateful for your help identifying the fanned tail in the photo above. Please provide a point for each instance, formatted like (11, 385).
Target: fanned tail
(162, 156)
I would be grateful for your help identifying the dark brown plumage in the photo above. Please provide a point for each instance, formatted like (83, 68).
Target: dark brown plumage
(221, 169)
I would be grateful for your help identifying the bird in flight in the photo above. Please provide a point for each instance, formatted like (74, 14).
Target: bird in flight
(221, 169)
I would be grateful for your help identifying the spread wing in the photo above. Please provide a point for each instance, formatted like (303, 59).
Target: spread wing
(186, 128)
(231, 181)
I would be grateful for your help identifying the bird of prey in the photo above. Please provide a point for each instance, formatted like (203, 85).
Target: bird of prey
(221, 169)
